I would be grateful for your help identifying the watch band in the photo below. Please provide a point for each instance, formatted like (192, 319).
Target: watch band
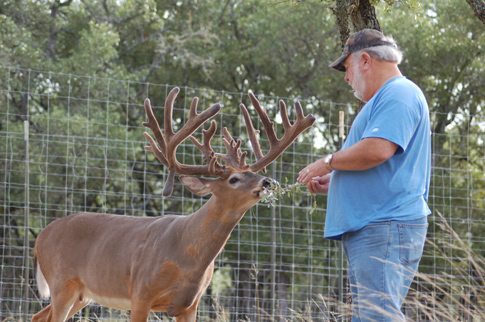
(328, 159)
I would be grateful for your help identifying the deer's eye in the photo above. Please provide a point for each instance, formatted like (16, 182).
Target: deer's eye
(233, 180)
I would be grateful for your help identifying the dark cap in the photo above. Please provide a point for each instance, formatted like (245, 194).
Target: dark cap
(360, 40)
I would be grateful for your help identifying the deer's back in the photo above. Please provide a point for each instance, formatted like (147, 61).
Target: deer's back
(95, 247)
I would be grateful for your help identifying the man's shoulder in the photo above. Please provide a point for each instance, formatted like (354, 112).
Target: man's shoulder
(403, 85)
(401, 89)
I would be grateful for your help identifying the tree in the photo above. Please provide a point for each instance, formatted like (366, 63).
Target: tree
(478, 7)
(361, 14)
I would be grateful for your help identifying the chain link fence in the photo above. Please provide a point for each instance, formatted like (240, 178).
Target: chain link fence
(71, 143)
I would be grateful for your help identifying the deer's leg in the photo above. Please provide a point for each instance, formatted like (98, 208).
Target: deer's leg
(65, 301)
(78, 305)
(43, 315)
(59, 310)
(61, 304)
(190, 314)
(139, 311)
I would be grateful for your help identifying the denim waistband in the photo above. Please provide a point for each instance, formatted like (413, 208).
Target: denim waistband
(419, 221)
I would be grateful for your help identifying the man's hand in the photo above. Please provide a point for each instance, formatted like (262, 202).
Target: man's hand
(315, 169)
(319, 184)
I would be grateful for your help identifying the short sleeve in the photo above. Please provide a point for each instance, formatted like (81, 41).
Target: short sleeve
(394, 121)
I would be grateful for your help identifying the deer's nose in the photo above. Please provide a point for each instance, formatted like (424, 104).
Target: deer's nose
(268, 182)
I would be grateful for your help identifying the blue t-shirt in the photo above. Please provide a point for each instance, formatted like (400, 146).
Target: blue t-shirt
(398, 188)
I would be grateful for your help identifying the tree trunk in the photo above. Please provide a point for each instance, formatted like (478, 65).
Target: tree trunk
(341, 12)
(363, 16)
(54, 32)
(478, 7)
(361, 13)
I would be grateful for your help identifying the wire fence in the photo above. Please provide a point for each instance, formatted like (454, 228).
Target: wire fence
(71, 143)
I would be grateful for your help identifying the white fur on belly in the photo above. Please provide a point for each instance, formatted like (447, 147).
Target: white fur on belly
(112, 302)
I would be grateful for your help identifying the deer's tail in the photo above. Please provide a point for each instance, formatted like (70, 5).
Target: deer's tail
(44, 291)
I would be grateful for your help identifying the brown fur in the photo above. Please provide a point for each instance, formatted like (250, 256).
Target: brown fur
(151, 264)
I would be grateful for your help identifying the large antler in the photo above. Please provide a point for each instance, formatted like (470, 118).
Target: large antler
(168, 144)
(277, 147)
(234, 158)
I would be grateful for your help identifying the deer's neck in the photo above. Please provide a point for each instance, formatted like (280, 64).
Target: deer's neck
(210, 227)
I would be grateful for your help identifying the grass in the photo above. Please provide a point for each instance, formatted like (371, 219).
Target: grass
(456, 293)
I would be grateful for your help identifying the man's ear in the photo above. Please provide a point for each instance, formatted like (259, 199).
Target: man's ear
(366, 60)
(198, 186)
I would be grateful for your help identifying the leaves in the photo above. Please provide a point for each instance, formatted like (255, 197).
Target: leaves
(275, 191)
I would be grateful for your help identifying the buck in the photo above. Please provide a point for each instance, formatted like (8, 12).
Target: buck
(163, 264)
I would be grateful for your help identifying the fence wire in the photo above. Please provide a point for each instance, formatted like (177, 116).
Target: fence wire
(84, 152)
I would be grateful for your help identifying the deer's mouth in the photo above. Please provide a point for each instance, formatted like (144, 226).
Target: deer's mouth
(258, 192)
(267, 188)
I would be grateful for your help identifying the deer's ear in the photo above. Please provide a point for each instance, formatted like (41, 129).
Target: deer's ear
(198, 186)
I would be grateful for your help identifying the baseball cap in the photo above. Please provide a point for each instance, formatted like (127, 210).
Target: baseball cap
(365, 38)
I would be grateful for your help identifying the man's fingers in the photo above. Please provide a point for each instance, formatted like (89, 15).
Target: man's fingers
(310, 187)
(303, 177)
(317, 186)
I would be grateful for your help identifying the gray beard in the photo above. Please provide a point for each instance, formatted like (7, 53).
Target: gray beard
(359, 84)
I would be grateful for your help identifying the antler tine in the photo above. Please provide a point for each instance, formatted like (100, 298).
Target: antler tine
(234, 157)
(206, 148)
(252, 133)
(194, 122)
(284, 115)
(268, 125)
(210, 157)
(168, 112)
(153, 125)
(277, 147)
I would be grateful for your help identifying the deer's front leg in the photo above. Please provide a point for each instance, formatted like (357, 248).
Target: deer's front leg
(139, 311)
(189, 315)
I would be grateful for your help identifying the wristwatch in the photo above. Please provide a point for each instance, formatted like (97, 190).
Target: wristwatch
(328, 159)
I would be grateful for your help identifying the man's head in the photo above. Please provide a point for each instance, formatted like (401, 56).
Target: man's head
(372, 42)
(369, 59)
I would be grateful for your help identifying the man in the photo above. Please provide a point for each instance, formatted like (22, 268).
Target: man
(378, 183)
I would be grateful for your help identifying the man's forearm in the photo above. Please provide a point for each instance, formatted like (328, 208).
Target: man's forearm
(364, 155)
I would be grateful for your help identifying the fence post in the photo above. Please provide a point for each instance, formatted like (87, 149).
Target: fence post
(341, 250)
(273, 252)
(27, 220)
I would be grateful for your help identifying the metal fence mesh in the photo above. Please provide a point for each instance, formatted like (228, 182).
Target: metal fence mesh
(84, 152)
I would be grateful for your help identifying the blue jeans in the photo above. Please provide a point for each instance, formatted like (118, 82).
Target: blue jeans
(383, 259)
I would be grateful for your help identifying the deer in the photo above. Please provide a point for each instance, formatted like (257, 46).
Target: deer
(160, 264)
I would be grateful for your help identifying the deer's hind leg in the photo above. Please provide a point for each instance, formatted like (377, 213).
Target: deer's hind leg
(57, 311)
(66, 300)
(43, 315)
(78, 305)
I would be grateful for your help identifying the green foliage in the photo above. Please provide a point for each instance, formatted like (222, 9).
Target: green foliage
(389, 5)
(95, 49)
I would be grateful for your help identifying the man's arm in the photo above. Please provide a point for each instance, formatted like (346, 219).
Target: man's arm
(365, 154)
